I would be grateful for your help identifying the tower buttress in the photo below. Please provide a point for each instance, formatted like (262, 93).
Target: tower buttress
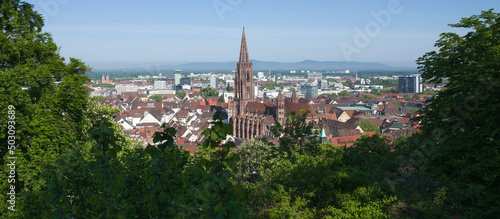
(295, 99)
(280, 109)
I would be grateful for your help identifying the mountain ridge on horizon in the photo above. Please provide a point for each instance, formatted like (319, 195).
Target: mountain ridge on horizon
(266, 65)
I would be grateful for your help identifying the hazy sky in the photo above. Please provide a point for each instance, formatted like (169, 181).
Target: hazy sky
(394, 32)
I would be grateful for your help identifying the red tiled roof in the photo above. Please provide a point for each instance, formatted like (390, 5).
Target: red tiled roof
(289, 107)
(344, 141)
(331, 116)
(370, 134)
(404, 120)
(350, 113)
(182, 114)
(258, 107)
(271, 119)
(191, 150)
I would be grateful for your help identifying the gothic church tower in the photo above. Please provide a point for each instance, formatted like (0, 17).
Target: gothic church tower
(243, 84)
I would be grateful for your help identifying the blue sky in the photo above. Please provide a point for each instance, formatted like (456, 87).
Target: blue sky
(124, 33)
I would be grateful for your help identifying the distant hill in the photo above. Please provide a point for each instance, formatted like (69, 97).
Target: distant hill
(283, 66)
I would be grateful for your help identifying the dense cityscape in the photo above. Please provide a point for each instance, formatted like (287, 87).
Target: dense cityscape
(338, 104)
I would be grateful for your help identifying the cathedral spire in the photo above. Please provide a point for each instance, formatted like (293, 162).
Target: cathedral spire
(243, 50)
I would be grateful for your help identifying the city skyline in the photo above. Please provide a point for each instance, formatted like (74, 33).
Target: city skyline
(129, 33)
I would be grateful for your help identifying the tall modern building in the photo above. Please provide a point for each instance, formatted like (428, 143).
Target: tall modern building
(214, 82)
(309, 91)
(410, 84)
(178, 77)
(185, 81)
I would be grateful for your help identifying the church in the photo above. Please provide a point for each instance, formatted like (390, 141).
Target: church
(254, 119)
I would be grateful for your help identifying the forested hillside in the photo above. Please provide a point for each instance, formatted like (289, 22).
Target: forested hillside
(62, 156)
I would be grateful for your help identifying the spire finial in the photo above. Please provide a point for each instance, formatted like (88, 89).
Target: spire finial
(243, 50)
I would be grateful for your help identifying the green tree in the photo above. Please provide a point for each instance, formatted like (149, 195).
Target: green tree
(104, 85)
(368, 126)
(460, 126)
(386, 82)
(386, 91)
(348, 84)
(229, 88)
(428, 92)
(221, 99)
(222, 198)
(181, 94)
(253, 156)
(296, 134)
(156, 98)
(344, 93)
(49, 98)
(413, 110)
(397, 103)
(375, 92)
(332, 96)
(208, 92)
(269, 86)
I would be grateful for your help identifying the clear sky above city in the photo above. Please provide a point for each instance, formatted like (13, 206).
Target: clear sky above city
(113, 33)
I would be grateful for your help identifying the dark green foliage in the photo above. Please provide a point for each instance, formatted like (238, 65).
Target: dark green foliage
(181, 94)
(332, 96)
(348, 84)
(208, 92)
(428, 92)
(386, 82)
(368, 126)
(397, 103)
(221, 197)
(460, 128)
(104, 85)
(49, 100)
(330, 183)
(156, 98)
(301, 179)
(296, 133)
(375, 92)
(344, 93)
(269, 86)
(221, 99)
(166, 191)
